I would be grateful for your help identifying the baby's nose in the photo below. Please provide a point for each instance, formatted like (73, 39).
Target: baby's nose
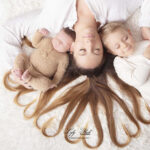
(58, 42)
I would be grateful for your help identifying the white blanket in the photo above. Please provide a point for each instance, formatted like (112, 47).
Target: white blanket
(16, 133)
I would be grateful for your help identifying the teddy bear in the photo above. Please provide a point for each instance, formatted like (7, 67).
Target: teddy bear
(45, 67)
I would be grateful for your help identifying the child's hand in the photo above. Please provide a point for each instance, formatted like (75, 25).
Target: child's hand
(26, 76)
(147, 52)
(145, 33)
(44, 31)
(21, 77)
(17, 73)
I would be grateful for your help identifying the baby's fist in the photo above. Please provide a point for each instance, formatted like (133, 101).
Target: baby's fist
(147, 52)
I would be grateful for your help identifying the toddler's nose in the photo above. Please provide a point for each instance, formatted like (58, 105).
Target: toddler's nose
(124, 44)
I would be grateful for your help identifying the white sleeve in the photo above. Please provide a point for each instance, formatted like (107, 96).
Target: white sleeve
(57, 14)
(134, 76)
(11, 34)
(144, 20)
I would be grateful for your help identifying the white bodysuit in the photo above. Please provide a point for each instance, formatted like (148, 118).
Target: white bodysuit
(56, 15)
(135, 69)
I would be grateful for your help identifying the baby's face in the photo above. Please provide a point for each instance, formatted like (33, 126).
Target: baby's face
(120, 43)
(62, 42)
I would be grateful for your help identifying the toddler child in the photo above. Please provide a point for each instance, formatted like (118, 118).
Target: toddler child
(132, 61)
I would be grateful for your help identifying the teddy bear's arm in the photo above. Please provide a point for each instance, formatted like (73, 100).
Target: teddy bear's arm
(61, 69)
(41, 83)
(21, 61)
(37, 38)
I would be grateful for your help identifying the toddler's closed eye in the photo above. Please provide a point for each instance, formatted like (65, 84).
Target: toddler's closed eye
(125, 38)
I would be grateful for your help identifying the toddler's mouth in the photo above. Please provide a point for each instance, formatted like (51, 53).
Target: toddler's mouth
(129, 48)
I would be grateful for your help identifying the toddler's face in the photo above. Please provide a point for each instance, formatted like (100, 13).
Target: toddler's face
(120, 43)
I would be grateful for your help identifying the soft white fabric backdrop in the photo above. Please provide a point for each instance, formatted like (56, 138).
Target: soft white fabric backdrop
(16, 133)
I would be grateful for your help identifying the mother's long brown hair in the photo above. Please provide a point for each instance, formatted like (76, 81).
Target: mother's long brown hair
(96, 91)
(93, 91)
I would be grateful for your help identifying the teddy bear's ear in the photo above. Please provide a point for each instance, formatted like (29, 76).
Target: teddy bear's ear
(26, 41)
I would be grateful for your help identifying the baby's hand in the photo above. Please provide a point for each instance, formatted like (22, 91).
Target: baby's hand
(21, 77)
(44, 31)
(145, 33)
(26, 76)
(17, 73)
(147, 52)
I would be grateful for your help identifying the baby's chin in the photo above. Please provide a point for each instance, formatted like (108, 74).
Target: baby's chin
(130, 52)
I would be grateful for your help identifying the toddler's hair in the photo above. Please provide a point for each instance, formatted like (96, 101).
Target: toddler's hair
(110, 28)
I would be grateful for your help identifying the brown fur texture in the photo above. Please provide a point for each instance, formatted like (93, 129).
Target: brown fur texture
(45, 66)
